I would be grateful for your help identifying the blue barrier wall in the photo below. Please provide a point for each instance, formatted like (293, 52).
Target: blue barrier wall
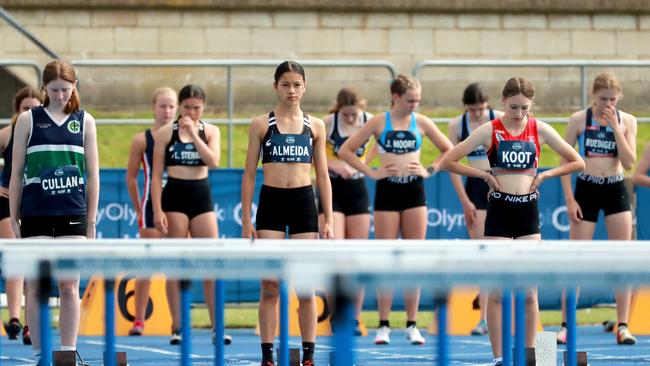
(445, 220)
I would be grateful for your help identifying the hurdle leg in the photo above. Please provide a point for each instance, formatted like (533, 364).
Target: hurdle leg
(109, 325)
(219, 322)
(520, 327)
(443, 338)
(342, 320)
(186, 325)
(506, 335)
(571, 327)
(44, 285)
(284, 324)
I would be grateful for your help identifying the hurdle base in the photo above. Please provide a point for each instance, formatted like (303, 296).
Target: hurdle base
(531, 359)
(120, 358)
(332, 359)
(581, 356)
(294, 356)
(64, 358)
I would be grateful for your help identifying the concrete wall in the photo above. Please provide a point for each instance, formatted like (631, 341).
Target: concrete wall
(170, 30)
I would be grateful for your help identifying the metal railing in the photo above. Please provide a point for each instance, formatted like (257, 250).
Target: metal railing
(14, 23)
(26, 63)
(247, 121)
(229, 64)
(583, 65)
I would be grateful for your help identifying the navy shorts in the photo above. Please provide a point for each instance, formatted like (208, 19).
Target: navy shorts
(145, 221)
(477, 191)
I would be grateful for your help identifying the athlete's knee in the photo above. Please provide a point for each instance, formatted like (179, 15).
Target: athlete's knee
(69, 290)
(531, 298)
(270, 290)
(495, 298)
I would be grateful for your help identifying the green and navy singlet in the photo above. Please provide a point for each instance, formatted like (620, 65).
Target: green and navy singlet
(55, 166)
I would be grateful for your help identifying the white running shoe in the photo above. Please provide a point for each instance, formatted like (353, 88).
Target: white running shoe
(383, 335)
(413, 335)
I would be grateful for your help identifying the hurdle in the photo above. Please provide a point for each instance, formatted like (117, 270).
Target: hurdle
(344, 266)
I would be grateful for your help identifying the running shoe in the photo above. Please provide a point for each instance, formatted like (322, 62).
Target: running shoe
(413, 335)
(498, 363)
(176, 338)
(13, 328)
(308, 363)
(608, 326)
(480, 329)
(27, 338)
(227, 338)
(383, 335)
(624, 336)
(268, 363)
(561, 336)
(137, 329)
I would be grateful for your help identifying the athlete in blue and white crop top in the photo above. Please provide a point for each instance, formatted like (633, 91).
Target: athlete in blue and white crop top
(399, 141)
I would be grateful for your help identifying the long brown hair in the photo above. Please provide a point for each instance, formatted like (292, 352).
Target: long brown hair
(606, 80)
(59, 69)
(518, 85)
(25, 93)
(346, 97)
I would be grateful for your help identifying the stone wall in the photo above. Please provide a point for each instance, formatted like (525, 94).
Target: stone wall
(404, 38)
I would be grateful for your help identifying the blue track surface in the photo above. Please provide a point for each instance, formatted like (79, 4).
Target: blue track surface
(245, 350)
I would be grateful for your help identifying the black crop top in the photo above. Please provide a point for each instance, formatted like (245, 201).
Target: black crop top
(280, 147)
(184, 153)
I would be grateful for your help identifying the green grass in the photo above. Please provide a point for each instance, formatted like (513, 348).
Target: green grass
(246, 317)
(114, 141)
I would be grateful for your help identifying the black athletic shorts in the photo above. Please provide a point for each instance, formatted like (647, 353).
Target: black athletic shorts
(399, 193)
(191, 197)
(477, 191)
(53, 226)
(295, 208)
(601, 193)
(4, 208)
(349, 196)
(512, 216)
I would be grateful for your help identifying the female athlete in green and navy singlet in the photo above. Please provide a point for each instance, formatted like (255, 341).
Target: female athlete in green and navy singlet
(54, 188)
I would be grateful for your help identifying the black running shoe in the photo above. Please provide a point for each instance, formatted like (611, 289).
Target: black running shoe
(27, 338)
(13, 328)
(608, 326)
(176, 338)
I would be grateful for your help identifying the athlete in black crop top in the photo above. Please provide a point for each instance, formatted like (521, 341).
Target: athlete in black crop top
(290, 143)
(187, 148)
(606, 137)
(184, 153)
